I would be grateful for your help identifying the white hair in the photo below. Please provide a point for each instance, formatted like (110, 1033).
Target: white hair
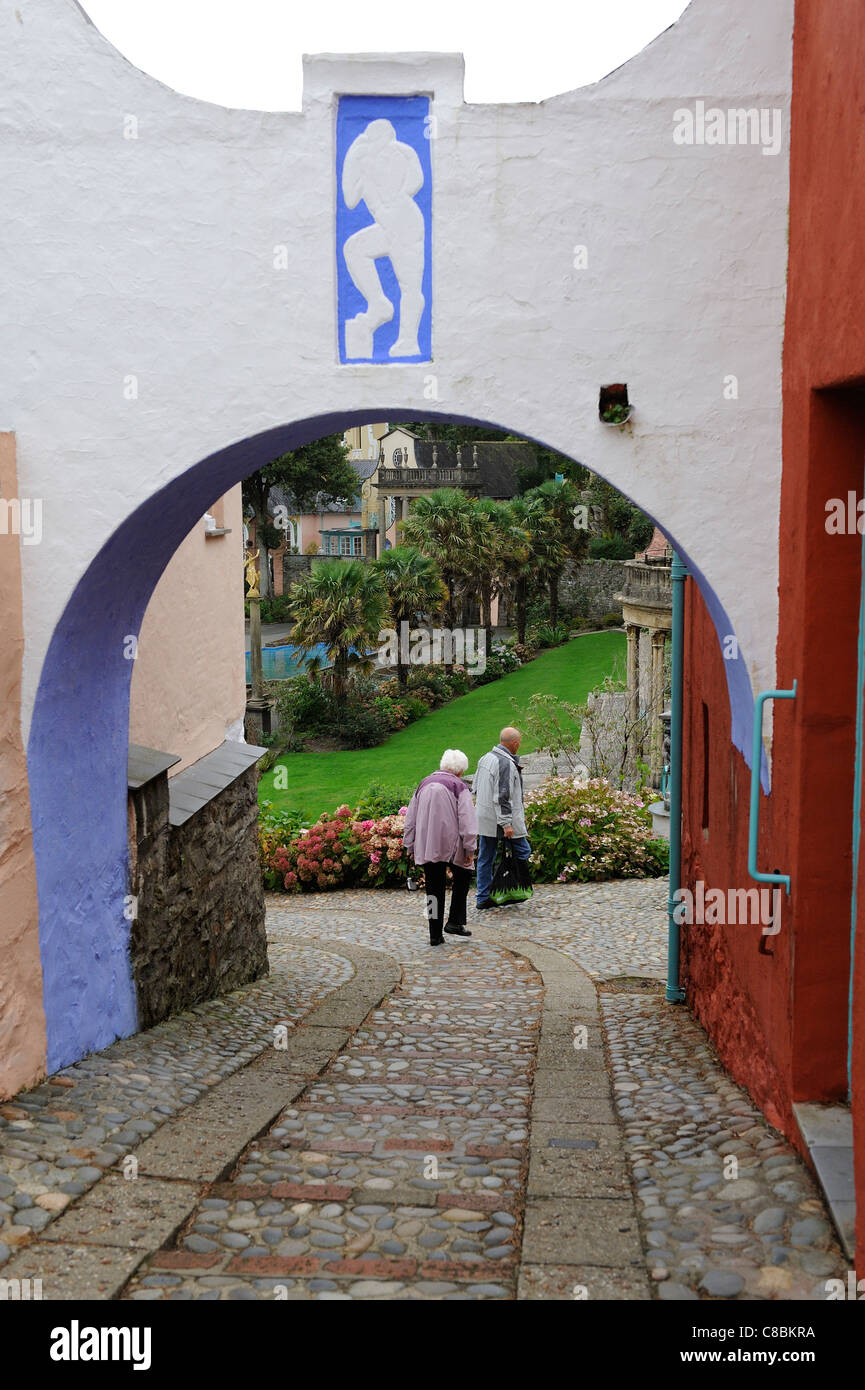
(453, 761)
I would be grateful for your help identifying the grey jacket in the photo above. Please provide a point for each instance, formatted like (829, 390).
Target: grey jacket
(498, 789)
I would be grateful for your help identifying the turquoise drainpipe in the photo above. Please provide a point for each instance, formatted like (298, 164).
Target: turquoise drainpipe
(675, 993)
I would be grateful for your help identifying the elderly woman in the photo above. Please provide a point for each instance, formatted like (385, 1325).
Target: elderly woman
(440, 830)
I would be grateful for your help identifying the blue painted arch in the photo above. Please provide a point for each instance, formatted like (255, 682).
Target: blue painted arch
(77, 751)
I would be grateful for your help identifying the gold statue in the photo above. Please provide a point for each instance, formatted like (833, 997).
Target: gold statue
(253, 578)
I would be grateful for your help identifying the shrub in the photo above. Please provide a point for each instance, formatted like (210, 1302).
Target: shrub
(335, 852)
(617, 548)
(582, 831)
(394, 713)
(430, 681)
(304, 706)
(459, 681)
(522, 651)
(275, 610)
(550, 635)
(498, 664)
(378, 858)
(319, 857)
(275, 821)
(381, 799)
(611, 620)
(390, 688)
(364, 726)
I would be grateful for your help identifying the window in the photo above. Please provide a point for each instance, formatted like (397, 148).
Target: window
(397, 458)
(357, 545)
(345, 545)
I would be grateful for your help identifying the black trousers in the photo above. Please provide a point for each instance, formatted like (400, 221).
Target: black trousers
(435, 879)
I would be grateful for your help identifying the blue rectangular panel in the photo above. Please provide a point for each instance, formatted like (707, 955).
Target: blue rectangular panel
(384, 229)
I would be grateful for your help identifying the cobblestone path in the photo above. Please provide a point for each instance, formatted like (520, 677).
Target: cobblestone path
(407, 1167)
(400, 1172)
(58, 1139)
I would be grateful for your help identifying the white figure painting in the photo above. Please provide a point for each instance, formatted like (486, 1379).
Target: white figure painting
(386, 174)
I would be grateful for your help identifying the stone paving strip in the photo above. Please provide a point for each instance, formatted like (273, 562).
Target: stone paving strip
(399, 1172)
(60, 1139)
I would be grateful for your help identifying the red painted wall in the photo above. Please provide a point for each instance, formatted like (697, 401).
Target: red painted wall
(780, 1021)
(824, 453)
(739, 994)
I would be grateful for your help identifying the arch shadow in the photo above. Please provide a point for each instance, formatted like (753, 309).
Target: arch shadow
(78, 745)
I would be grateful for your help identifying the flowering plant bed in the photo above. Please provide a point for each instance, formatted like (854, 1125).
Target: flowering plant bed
(587, 830)
(337, 852)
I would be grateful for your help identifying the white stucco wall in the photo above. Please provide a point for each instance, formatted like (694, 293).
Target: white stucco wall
(153, 258)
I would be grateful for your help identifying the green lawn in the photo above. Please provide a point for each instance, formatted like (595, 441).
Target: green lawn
(322, 781)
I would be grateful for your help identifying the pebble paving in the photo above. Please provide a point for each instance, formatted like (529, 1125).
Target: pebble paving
(399, 1173)
(58, 1139)
(753, 1229)
(729, 1210)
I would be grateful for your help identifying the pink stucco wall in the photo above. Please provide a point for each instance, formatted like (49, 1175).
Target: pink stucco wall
(22, 1021)
(189, 682)
(313, 523)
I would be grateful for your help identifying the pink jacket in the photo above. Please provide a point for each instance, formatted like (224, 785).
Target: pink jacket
(440, 824)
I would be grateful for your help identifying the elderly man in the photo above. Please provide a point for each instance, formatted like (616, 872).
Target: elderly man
(498, 789)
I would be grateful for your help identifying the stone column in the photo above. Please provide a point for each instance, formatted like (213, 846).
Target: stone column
(633, 672)
(382, 522)
(656, 735)
(633, 696)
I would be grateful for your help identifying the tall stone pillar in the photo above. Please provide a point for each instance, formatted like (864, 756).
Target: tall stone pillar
(635, 749)
(382, 522)
(656, 736)
(633, 672)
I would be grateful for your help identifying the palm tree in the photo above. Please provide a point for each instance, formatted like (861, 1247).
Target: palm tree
(530, 515)
(564, 541)
(341, 606)
(414, 589)
(440, 525)
(499, 545)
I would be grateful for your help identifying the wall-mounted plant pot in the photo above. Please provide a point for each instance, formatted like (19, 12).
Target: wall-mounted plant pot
(614, 408)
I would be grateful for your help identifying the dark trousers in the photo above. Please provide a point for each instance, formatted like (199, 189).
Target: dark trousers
(435, 879)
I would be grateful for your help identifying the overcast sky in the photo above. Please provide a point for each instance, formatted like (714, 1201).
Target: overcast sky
(247, 52)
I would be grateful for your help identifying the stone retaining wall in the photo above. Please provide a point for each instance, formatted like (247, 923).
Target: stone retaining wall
(199, 930)
(588, 587)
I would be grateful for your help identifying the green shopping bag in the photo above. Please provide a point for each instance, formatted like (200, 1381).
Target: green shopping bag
(512, 882)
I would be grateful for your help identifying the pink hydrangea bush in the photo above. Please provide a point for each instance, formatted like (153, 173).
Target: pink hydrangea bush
(582, 831)
(336, 852)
